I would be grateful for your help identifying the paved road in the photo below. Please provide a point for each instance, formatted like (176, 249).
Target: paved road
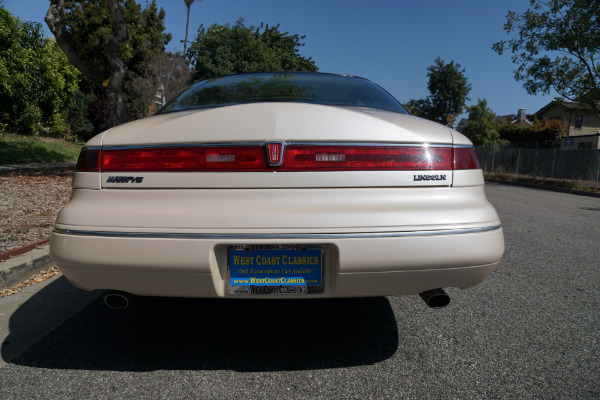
(530, 331)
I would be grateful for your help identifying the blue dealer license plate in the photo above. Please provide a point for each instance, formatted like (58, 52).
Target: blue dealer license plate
(279, 268)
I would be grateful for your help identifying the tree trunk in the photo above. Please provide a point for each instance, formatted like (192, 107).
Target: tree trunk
(187, 25)
(113, 89)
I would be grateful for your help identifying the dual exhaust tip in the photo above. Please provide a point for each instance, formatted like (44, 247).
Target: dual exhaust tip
(435, 298)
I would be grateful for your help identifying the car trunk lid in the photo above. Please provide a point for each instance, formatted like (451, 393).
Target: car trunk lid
(275, 145)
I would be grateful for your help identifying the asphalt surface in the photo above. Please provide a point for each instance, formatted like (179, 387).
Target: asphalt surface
(530, 331)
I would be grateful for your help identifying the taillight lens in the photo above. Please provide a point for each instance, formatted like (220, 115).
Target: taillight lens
(230, 158)
(296, 158)
(466, 158)
(336, 158)
(89, 161)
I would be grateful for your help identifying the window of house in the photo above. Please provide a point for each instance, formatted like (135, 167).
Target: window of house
(584, 146)
(578, 122)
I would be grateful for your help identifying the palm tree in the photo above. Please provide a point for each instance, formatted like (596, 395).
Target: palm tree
(188, 4)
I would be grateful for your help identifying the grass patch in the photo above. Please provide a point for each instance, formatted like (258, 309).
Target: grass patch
(15, 149)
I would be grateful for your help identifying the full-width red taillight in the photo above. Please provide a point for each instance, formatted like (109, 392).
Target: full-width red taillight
(267, 158)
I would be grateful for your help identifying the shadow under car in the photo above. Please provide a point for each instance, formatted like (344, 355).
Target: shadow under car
(209, 334)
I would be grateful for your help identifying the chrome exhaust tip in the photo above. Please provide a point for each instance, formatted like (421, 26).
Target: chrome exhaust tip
(117, 300)
(435, 298)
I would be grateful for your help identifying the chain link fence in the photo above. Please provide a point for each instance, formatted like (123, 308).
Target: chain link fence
(541, 162)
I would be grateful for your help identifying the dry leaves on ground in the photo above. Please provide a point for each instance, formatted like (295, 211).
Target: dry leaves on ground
(29, 203)
(37, 278)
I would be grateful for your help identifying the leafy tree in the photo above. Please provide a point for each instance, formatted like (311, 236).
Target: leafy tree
(146, 35)
(420, 108)
(481, 126)
(225, 50)
(166, 75)
(108, 74)
(36, 81)
(78, 120)
(103, 39)
(448, 90)
(556, 46)
(544, 132)
(58, 83)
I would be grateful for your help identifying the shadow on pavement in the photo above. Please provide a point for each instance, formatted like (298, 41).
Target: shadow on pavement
(193, 334)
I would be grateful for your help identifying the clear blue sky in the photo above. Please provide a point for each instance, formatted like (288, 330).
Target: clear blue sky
(389, 42)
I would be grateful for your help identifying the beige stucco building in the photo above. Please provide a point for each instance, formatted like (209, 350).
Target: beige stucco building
(583, 126)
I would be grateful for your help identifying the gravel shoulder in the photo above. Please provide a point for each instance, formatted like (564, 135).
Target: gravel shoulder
(30, 200)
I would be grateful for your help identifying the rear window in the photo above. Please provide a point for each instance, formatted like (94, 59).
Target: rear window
(316, 88)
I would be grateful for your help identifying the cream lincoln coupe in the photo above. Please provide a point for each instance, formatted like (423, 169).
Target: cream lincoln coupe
(278, 185)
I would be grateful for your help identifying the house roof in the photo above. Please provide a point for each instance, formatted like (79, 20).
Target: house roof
(514, 119)
(505, 119)
(565, 105)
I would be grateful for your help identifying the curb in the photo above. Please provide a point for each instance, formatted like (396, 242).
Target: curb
(18, 167)
(18, 269)
(544, 187)
(22, 250)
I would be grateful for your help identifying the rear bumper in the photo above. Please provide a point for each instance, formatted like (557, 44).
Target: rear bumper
(355, 265)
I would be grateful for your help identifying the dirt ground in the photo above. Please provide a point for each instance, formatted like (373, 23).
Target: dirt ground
(29, 203)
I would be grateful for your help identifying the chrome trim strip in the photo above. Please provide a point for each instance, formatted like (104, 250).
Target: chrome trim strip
(260, 236)
(235, 144)
(174, 145)
(382, 144)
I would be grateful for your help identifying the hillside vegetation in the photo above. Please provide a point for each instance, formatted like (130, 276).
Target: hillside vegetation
(15, 149)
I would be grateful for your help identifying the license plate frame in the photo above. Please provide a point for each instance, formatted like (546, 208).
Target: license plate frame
(288, 269)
